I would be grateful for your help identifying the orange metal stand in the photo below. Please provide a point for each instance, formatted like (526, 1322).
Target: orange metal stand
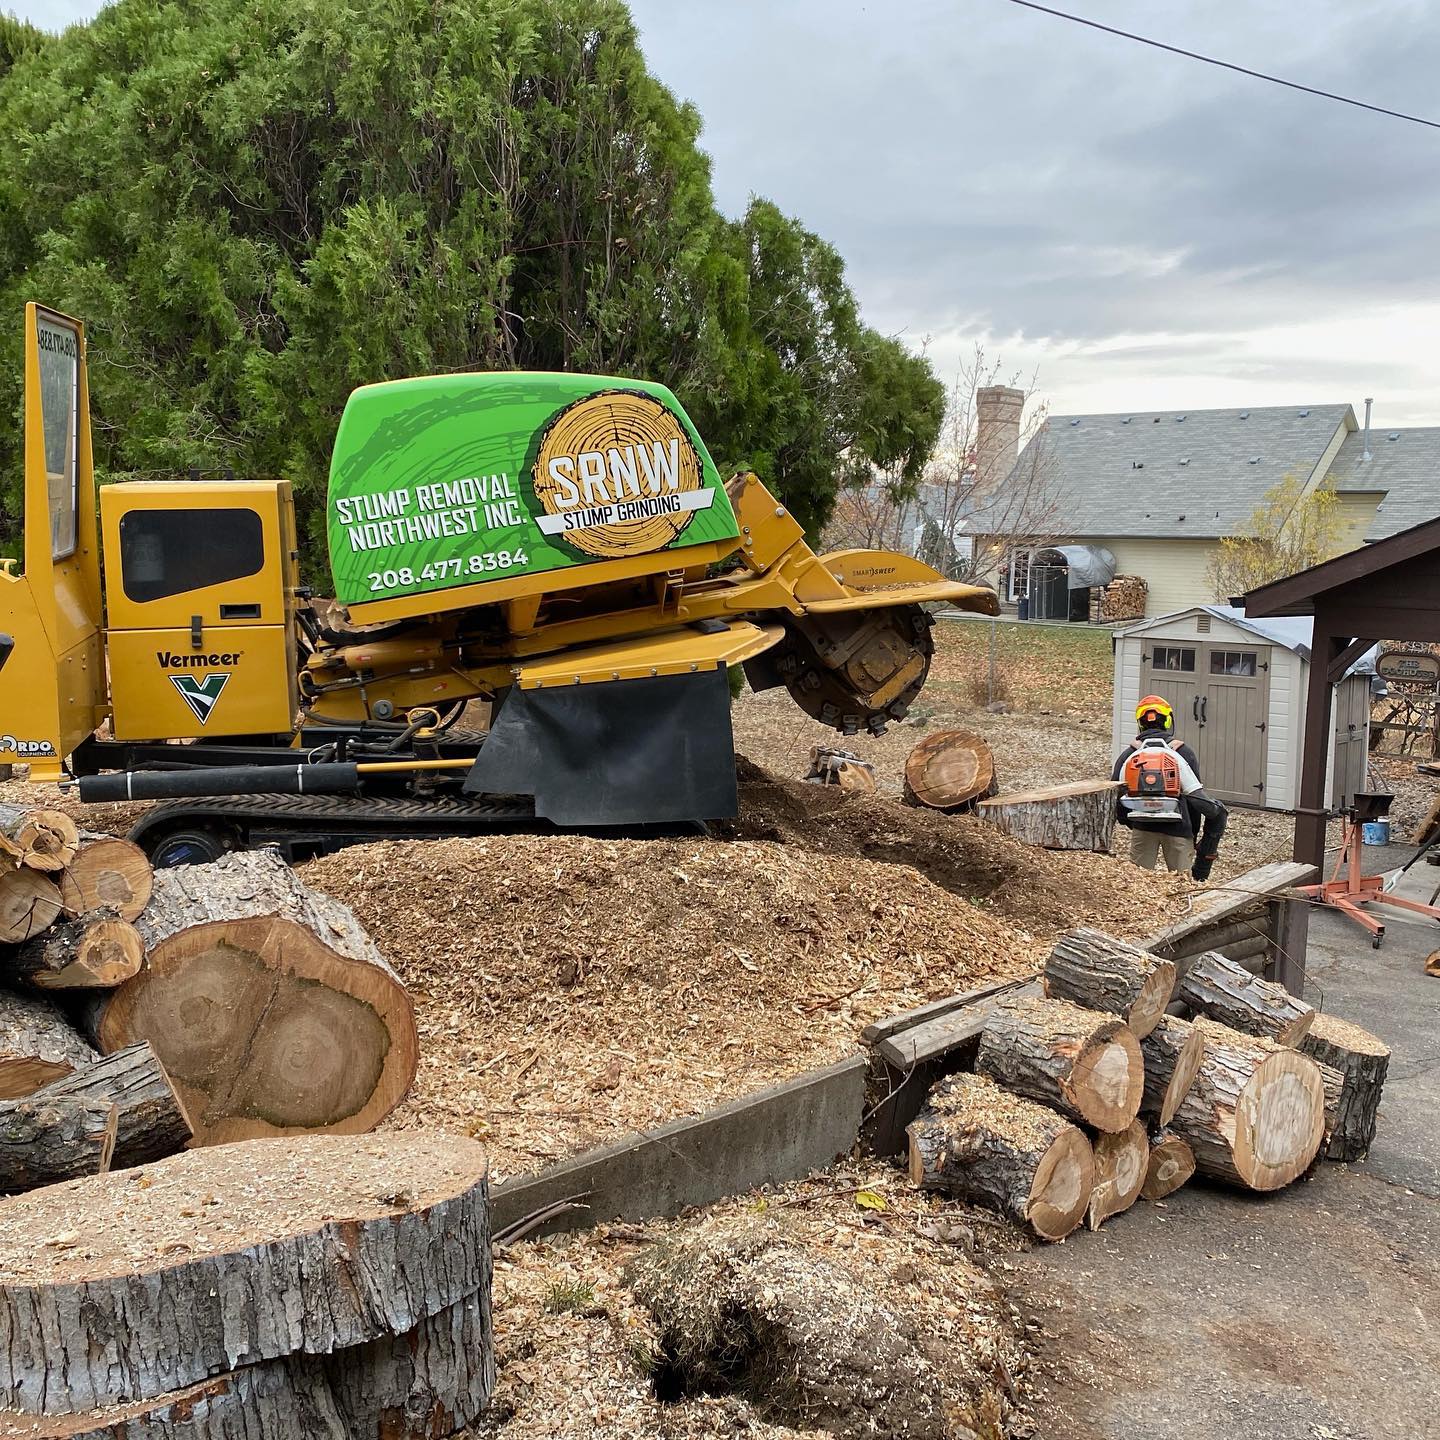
(1348, 889)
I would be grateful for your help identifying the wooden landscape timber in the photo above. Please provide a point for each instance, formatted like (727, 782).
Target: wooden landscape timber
(223, 1258)
(37, 1045)
(1172, 1052)
(979, 1142)
(949, 770)
(1255, 1114)
(1085, 1064)
(45, 1139)
(40, 839)
(1102, 973)
(107, 874)
(1363, 1061)
(1077, 816)
(267, 1003)
(95, 951)
(29, 902)
(1225, 991)
(1121, 1161)
(1171, 1164)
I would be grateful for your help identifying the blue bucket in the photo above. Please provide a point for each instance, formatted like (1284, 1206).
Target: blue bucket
(1375, 832)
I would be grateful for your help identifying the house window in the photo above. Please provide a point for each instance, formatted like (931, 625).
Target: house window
(1019, 575)
(1233, 662)
(1173, 657)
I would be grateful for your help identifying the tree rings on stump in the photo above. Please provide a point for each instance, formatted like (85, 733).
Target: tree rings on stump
(1103, 973)
(1171, 1164)
(29, 903)
(1120, 1164)
(949, 770)
(1172, 1051)
(107, 875)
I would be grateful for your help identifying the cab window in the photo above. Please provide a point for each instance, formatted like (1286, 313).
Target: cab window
(167, 552)
(59, 354)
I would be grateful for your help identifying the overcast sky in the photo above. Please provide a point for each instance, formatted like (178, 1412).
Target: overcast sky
(1140, 230)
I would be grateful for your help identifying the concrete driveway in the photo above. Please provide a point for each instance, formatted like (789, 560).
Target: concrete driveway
(1312, 1314)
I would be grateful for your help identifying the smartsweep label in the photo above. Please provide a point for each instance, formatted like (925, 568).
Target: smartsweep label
(454, 480)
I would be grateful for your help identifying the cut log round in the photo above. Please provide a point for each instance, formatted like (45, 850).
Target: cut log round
(267, 1003)
(29, 902)
(37, 1045)
(1225, 991)
(1172, 1051)
(1103, 973)
(107, 874)
(96, 951)
(41, 839)
(1120, 1165)
(1363, 1060)
(949, 770)
(977, 1141)
(1172, 1163)
(230, 1256)
(1087, 1065)
(1256, 1112)
(48, 1138)
(152, 1122)
(1077, 816)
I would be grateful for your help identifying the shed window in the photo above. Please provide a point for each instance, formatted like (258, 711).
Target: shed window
(1173, 657)
(167, 552)
(1233, 662)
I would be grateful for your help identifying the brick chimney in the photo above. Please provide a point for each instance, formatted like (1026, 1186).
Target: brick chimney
(997, 434)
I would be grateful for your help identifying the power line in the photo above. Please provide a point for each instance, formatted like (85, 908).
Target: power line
(1226, 65)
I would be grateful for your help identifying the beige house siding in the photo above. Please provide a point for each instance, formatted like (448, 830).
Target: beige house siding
(1357, 513)
(1173, 569)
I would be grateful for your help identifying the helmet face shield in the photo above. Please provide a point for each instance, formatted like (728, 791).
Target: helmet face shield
(1154, 713)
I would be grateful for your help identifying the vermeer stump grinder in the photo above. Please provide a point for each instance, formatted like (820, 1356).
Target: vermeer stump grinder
(560, 545)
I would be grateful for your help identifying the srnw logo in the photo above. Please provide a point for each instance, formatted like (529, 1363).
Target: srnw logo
(201, 695)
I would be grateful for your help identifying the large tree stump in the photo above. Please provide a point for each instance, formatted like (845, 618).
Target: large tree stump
(1363, 1060)
(1086, 1065)
(949, 770)
(29, 901)
(1103, 973)
(41, 839)
(37, 1045)
(1077, 816)
(1227, 992)
(107, 874)
(1256, 1112)
(97, 951)
(1120, 1164)
(267, 1003)
(1172, 1051)
(980, 1142)
(229, 1256)
(48, 1138)
(152, 1122)
(1171, 1164)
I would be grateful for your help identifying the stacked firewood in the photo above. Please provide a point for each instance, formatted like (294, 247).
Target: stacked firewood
(143, 1011)
(1124, 598)
(1093, 1094)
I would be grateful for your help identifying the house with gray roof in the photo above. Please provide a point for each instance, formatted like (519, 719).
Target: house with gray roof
(1152, 494)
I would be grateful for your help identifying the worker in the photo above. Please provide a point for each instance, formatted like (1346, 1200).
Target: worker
(1163, 801)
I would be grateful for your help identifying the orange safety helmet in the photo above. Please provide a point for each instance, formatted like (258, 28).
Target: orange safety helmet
(1154, 713)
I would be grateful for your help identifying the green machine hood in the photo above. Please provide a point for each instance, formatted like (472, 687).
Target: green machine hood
(453, 480)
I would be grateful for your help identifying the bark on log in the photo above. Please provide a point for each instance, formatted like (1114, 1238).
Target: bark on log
(45, 1139)
(40, 839)
(977, 1141)
(1098, 971)
(1120, 1164)
(1363, 1060)
(1078, 816)
(1256, 1112)
(1172, 1163)
(1225, 991)
(37, 1045)
(267, 1003)
(95, 951)
(152, 1122)
(29, 902)
(1217, 937)
(107, 874)
(1172, 1051)
(230, 1256)
(949, 770)
(1086, 1065)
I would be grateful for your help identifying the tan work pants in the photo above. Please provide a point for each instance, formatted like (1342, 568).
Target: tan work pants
(1146, 847)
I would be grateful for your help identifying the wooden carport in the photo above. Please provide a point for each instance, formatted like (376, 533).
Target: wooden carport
(1386, 591)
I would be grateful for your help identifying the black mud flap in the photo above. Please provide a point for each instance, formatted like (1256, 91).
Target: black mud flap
(622, 752)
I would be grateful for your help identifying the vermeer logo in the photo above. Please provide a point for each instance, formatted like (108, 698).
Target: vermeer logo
(200, 695)
(617, 475)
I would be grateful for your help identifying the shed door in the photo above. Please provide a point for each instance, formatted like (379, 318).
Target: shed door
(1233, 733)
(1173, 671)
(1352, 739)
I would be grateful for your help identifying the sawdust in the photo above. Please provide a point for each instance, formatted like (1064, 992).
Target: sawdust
(570, 991)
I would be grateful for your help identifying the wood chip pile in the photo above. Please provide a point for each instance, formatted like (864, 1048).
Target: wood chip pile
(571, 990)
(1075, 1109)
